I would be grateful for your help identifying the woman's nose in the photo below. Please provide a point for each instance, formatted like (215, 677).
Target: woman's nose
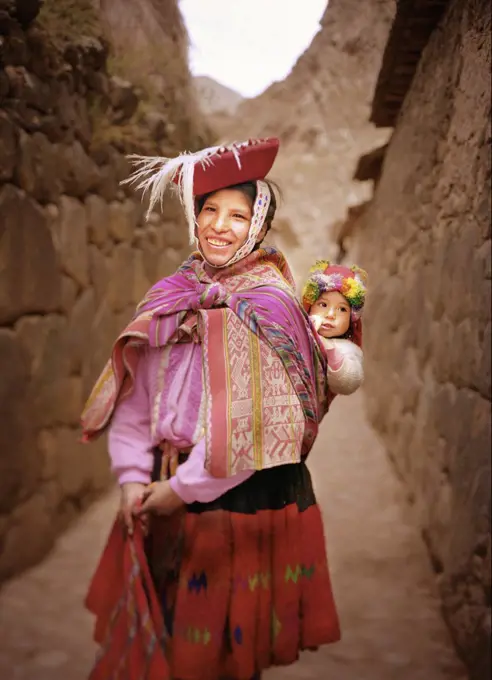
(220, 223)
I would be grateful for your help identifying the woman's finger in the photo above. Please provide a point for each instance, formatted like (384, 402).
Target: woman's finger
(146, 505)
(146, 493)
(145, 524)
(128, 519)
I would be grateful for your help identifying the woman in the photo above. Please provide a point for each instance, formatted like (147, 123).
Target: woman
(214, 392)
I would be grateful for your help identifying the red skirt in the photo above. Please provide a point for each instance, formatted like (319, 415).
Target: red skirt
(243, 581)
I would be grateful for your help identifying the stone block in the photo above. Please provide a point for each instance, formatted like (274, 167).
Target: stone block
(99, 464)
(99, 273)
(151, 259)
(108, 184)
(79, 324)
(169, 261)
(463, 346)
(40, 170)
(123, 318)
(150, 241)
(98, 216)
(141, 283)
(69, 290)
(19, 463)
(123, 220)
(411, 376)
(4, 525)
(8, 147)
(442, 337)
(157, 125)
(29, 88)
(39, 336)
(103, 335)
(73, 249)
(47, 449)
(121, 169)
(121, 276)
(29, 273)
(81, 174)
(73, 470)
(87, 52)
(14, 50)
(55, 396)
(123, 99)
(482, 372)
(4, 85)
(66, 103)
(26, 117)
(175, 234)
(26, 11)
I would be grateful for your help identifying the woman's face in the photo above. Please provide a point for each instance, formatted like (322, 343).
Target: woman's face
(334, 311)
(223, 225)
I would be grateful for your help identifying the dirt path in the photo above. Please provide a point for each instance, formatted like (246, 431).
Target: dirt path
(382, 578)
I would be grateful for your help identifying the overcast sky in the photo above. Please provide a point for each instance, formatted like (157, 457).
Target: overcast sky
(248, 44)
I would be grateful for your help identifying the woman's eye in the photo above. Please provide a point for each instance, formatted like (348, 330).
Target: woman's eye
(321, 304)
(209, 208)
(239, 217)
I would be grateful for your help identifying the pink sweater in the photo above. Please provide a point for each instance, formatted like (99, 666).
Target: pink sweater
(138, 425)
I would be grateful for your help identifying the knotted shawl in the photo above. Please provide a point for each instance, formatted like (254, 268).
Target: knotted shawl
(243, 313)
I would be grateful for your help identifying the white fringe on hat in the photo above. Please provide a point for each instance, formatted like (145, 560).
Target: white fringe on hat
(154, 173)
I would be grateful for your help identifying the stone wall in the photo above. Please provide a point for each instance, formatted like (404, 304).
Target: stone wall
(426, 242)
(150, 48)
(75, 257)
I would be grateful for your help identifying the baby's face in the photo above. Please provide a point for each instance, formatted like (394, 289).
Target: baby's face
(334, 312)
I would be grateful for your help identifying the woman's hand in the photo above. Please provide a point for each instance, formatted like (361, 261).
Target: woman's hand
(131, 495)
(160, 499)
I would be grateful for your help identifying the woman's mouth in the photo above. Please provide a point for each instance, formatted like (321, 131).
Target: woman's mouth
(218, 242)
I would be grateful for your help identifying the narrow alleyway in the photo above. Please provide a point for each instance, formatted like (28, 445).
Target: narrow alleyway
(382, 577)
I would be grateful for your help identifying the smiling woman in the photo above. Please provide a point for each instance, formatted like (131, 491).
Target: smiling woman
(212, 396)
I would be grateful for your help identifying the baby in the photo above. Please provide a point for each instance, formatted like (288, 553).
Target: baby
(334, 296)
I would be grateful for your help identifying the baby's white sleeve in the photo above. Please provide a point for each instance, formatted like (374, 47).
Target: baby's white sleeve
(345, 370)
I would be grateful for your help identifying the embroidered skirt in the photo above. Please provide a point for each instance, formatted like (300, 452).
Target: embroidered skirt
(243, 581)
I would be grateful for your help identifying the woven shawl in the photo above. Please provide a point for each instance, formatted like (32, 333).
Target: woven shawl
(245, 315)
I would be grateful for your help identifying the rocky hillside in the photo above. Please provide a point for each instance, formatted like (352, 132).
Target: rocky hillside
(149, 47)
(215, 98)
(75, 252)
(321, 114)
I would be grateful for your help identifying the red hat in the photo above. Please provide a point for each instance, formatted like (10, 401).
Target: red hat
(230, 165)
(203, 172)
